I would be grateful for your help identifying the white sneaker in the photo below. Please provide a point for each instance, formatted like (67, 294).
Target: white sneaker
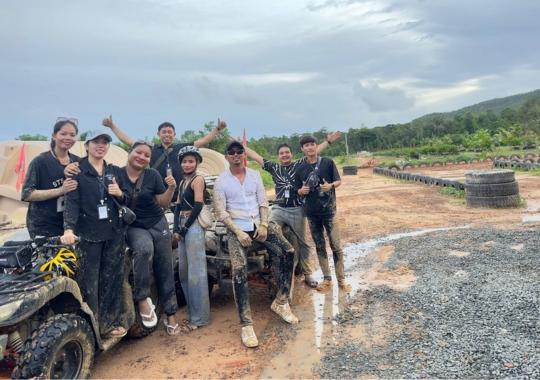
(248, 337)
(284, 311)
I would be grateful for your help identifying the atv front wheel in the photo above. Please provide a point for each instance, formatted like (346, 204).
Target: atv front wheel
(61, 348)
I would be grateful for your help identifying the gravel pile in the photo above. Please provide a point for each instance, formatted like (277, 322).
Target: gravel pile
(473, 311)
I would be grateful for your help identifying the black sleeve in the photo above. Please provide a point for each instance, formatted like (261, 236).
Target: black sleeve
(298, 176)
(122, 184)
(176, 220)
(195, 211)
(334, 172)
(159, 185)
(71, 212)
(269, 166)
(31, 180)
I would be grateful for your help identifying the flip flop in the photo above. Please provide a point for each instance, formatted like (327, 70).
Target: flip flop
(171, 329)
(149, 320)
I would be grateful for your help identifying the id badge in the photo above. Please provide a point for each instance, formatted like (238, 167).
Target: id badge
(287, 193)
(60, 204)
(102, 212)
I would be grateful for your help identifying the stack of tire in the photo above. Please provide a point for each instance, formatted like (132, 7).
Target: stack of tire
(492, 188)
(350, 170)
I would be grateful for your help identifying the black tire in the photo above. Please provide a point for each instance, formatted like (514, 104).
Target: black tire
(490, 176)
(62, 348)
(138, 330)
(492, 190)
(350, 170)
(502, 201)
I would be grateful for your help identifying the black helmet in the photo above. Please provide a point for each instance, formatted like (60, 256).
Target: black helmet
(189, 150)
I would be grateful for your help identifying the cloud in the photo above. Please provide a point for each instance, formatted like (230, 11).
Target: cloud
(381, 99)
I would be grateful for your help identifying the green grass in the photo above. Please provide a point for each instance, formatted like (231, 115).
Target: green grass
(463, 156)
(453, 192)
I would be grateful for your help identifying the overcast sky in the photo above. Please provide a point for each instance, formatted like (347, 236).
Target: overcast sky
(272, 67)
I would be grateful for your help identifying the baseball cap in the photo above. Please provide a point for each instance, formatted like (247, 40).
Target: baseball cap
(234, 144)
(95, 133)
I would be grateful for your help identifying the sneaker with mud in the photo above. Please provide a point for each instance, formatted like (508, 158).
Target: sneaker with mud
(284, 311)
(324, 286)
(248, 337)
(344, 286)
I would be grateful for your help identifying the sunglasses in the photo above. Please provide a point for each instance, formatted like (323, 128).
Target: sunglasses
(232, 152)
(71, 120)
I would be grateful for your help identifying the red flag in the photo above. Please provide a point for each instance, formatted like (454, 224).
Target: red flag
(244, 143)
(20, 168)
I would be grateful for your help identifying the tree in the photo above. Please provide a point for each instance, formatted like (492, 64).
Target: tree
(29, 137)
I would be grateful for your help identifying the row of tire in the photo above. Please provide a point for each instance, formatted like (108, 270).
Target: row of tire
(427, 180)
(527, 164)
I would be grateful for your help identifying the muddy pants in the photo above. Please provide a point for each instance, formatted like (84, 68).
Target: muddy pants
(317, 225)
(152, 250)
(282, 253)
(193, 274)
(100, 277)
(295, 219)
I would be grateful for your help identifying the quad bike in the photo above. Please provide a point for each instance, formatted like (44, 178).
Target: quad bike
(46, 328)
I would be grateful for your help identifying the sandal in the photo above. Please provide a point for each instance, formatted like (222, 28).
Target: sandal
(149, 320)
(117, 332)
(187, 327)
(171, 329)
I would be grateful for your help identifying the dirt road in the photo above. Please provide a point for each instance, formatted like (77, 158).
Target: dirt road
(370, 206)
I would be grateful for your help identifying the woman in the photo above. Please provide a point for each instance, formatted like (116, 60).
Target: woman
(191, 238)
(45, 186)
(92, 213)
(149, 236)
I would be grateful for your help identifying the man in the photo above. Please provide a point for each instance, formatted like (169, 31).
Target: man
(316, 180)
(288, 208)
(240, 203)
(164, 155)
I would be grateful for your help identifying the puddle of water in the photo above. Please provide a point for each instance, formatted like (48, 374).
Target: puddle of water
(318, 328)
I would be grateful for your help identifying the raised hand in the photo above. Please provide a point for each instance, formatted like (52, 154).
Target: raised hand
(333, 136)
(221, 124)
(108, 122)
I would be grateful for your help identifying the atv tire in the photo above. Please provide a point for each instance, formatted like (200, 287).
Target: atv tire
(61, 348)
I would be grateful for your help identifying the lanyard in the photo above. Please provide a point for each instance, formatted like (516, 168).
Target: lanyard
(101, 185)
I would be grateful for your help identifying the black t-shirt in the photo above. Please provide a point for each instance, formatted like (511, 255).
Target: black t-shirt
(146, 208)
(45, 172)
(283, 176)
(171, 160)
(318, 202)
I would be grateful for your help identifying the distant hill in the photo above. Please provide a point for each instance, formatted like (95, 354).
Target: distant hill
(495, 105)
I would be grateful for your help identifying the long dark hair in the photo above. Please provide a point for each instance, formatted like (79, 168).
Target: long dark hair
(58, 126)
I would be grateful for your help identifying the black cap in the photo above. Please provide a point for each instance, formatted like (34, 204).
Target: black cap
(234, 144)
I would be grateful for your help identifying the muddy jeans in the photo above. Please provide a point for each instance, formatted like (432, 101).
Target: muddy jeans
(317, 225)
(152, 250)
(281, 251)
(100, 278)
(294, 218)
(193, 275)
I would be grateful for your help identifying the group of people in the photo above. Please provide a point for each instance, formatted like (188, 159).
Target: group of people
(84, 199)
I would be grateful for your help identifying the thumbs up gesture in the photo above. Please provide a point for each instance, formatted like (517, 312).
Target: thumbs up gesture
(108, 122)
(221, 124)
(326, 187)
(114, 189)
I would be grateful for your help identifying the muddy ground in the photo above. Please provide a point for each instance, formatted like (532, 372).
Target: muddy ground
(369, 207)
